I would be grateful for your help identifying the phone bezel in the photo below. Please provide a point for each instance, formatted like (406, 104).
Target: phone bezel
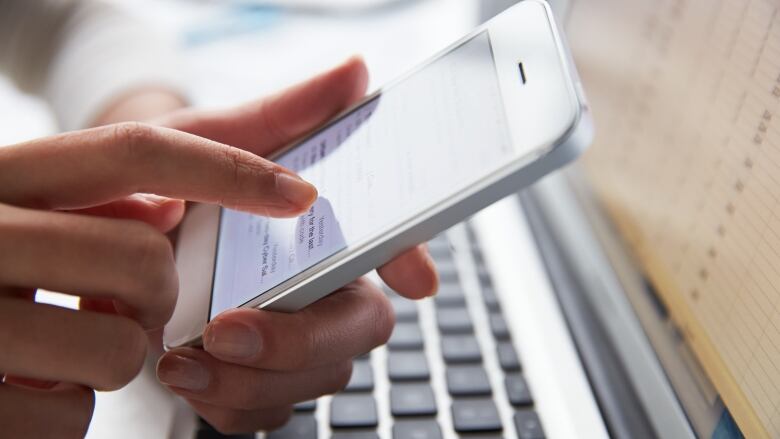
(524, 33)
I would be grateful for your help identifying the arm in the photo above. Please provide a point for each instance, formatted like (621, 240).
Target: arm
(92, 64)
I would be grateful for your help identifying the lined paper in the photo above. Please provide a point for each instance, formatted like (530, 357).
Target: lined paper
(686, 98)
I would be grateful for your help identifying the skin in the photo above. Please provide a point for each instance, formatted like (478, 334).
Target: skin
(76, 216)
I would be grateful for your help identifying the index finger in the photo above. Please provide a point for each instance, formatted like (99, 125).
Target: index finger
(91, 167)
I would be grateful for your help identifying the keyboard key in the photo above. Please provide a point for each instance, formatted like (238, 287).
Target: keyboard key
(362, 379)
(206, 431)
(405, 309)
(460, 349)
(468, 381)
(479, 258)
(407, 366)
(406, 336)
(306, 406)
(440, 252)
(448, 271)
(498, 326)
(490, 299)
(484, 277)
(412, 400)
(355, 435)
(475, 415)
(439, 240)
(507, 357)
(528, 425)
(449, 277)
(300, 426)
(417, 429)
(446, 265)
(454, 321)
(439, 248)
(517, 390)
(353, 411)
(449, 295)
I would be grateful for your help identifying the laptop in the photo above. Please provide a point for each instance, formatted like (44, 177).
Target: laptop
(629, 296)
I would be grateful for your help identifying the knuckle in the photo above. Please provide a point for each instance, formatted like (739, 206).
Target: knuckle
(133, 137)
(311, 348)
(247, 170)
(236, 163)
(234, 159)
(382, 317)
(123, 358)
(311, 342)
(154, 262)
(249, 398)
(268, 119)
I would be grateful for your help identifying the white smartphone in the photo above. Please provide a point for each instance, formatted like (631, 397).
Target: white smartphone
(489, 115)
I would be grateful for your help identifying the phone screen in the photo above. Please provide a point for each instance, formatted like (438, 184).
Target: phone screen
(424, 139)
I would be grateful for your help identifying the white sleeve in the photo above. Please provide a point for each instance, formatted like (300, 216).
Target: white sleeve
(79, 55)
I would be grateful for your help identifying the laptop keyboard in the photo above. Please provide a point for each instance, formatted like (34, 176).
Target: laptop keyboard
(450, 369)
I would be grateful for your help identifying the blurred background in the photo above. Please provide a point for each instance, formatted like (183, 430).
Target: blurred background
(231, 51)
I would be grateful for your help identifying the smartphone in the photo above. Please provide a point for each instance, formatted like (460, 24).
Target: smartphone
(487, 116)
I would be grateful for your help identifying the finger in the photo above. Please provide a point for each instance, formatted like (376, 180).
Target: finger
(63, 411)
(345, 324)
(126, 261)
(411, 274)
(268, 124)
(92, 167)
(19, 293)
(162, 213)
(95, 304)
(48, 343)
(29, 382)
(232, 421)
(195, 374)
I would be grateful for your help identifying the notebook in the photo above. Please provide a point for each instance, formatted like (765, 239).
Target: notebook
(686, 99)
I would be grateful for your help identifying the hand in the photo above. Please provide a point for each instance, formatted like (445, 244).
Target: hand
(255, 364)
(61, 200)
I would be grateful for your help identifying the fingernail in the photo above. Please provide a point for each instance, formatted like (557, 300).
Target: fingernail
(182, 372)
(233, 340)
(295, 190)
(174, 211)
(157, 200)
